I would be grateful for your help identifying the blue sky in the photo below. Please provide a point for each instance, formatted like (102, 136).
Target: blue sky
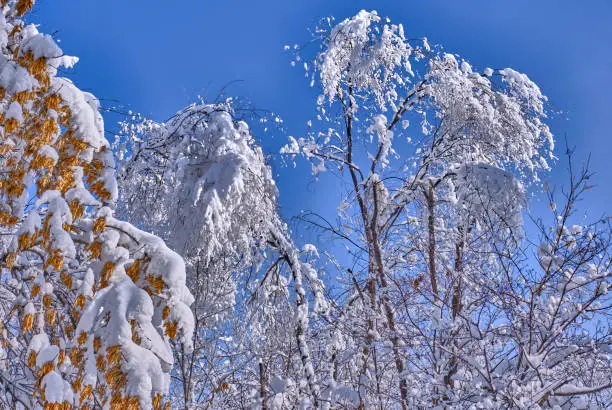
(156, 57)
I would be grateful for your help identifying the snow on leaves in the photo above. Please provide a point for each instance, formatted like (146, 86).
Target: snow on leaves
(96, 298)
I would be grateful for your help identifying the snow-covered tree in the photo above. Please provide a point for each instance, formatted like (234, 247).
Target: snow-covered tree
(96, 302)
(437, 157)
(200, 181)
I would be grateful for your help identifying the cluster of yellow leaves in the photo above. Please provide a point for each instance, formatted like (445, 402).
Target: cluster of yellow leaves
(41, 372)
(27, 323)
(57, 406)
(156, 287)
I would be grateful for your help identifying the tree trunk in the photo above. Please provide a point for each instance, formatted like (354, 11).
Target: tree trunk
(431, 229)
(456, 307)
(399, 363)
(262, 385)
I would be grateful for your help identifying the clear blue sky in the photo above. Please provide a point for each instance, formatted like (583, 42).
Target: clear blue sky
(157, 56)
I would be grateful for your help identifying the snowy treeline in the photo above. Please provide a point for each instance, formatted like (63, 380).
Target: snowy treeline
(158, 272)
